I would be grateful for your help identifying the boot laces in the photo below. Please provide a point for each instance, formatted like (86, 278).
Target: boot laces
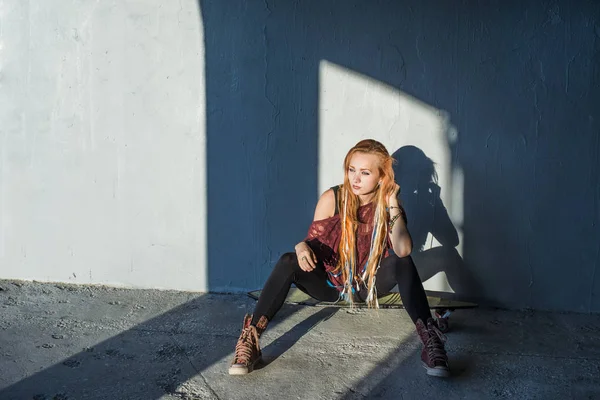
(246, 346)
(435, 344)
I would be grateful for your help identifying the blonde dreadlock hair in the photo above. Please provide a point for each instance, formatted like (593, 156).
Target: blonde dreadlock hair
(348, 204)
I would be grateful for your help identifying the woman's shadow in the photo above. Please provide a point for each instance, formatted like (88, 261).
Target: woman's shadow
(420, 194)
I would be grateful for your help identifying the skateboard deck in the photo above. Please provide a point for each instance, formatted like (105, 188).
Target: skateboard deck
(391, 300)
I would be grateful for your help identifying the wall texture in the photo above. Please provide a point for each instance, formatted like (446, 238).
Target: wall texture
(102, 136)
(500, 97)
(184, 145)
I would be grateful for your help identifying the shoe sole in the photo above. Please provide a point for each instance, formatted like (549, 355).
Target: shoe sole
(241, 370)
(437, 372)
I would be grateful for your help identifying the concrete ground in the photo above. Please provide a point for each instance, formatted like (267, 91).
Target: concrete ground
(76, 342)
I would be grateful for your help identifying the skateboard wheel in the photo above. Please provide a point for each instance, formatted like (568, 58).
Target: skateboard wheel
(443, 324)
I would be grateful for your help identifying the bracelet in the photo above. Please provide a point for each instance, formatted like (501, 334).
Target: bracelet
(392, 207)
(394, 219)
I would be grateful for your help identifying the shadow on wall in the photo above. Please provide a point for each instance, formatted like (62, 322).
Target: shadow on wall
(420, 194)
(528, 130)
(261, 116)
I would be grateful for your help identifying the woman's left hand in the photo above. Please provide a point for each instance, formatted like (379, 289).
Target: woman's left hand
(392, 198)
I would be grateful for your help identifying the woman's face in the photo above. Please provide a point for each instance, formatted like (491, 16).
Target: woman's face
(363, 173)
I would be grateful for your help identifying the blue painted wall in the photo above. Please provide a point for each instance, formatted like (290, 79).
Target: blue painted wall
(519, 80)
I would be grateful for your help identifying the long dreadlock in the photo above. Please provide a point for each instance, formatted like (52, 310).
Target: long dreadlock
(349, 203)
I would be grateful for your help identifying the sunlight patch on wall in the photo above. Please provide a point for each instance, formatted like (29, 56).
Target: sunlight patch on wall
(353, 106)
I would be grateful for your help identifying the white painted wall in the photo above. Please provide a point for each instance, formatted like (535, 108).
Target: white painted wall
(102, 143)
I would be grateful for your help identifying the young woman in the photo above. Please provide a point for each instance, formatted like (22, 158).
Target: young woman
(358, 248)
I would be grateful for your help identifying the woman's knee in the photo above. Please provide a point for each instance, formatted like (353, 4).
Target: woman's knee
(288, 258)
(404, 268)
(393, 259)
(287, 262)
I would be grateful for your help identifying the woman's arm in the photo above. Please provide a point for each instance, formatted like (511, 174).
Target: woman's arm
(399, 235)
(325, 208)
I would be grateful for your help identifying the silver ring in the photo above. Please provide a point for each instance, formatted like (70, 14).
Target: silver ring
(304, 258)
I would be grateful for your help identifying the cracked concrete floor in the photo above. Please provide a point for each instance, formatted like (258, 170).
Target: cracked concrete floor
(60, 341)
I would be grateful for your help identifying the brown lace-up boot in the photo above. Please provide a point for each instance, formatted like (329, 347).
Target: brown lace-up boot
(433, 356)
(247, 349)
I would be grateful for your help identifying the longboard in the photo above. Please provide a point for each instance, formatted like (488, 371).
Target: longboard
(443, 307)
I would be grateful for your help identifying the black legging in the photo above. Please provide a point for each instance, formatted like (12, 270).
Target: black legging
(393, 270)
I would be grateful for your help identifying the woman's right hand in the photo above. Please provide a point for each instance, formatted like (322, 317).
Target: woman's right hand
(306, 257)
